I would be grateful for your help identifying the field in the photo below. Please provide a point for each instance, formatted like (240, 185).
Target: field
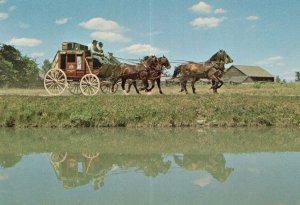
(235, 106)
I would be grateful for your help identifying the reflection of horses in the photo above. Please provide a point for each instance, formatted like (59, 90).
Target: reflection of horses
(155, 74)
(212, 69)
(135, 72)
(215, 164)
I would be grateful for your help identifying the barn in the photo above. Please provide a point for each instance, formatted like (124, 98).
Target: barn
(247, 74)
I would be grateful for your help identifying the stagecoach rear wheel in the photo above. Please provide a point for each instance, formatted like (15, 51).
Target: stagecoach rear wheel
(55, 82)
(89, 84)
(74, 88)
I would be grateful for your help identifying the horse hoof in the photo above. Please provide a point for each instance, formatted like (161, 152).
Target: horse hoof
(125, 93)
(149, 93)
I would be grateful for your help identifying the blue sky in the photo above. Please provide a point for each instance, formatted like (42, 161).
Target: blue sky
(253, 32)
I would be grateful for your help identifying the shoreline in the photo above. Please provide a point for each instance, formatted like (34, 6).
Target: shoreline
(228, 110)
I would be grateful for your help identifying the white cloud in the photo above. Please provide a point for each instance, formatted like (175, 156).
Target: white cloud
(23, 25)
(109, 36)
(201, 7)
(2, 1)
(12, 8)
(210, 22)
(272, 61)
(142, 49)
(220, 11)
(37, 54)
(203, 182)
(3, 16)
(252, 18)
(62, 21)
(101, 24)
(26, 42)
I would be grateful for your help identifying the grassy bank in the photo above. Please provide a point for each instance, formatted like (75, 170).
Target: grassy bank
(230, 110)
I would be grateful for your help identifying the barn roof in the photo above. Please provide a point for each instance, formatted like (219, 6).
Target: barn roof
(252, 71)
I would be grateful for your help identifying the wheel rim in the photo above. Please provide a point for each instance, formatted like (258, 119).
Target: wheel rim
(90, 155)
(105, 87)
(55, 82)
(58, 157)
(74, 88)
(89, 85)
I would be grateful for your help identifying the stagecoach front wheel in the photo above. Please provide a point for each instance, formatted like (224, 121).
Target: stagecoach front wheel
(55, 82)
(105, 87)
(89, 84)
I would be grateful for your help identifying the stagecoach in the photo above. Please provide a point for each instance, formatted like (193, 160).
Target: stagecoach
(75, 69)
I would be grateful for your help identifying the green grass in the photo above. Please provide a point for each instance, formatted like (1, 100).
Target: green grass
(223, 110)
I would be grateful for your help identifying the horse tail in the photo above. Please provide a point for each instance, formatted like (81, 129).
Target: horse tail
(176, 71)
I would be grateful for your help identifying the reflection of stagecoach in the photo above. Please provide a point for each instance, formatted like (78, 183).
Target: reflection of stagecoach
(74, 68)
(77, 169)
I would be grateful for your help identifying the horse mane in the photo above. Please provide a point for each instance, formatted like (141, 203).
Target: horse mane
(214, 57)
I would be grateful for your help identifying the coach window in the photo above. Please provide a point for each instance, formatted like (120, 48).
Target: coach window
(79, 63)
(71, 58)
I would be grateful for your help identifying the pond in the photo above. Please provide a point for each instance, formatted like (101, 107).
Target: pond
(150, 166)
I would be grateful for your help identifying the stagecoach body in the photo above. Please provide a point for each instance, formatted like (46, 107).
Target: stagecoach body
(75, 69)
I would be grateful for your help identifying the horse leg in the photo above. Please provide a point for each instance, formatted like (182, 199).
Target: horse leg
(184, 86)
(152, 86)
(221, 84)
(123, 85)
(135, 86)
(158, 85)
(215, 87)
(193, 85)
(212, 83)
(129, 86)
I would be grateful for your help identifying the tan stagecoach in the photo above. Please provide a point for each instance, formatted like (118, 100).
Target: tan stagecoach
(74, 68)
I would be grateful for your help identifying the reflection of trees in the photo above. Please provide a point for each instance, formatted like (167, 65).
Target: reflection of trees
(151, 165)
(79, 169)
(215, 164)
(9, 160)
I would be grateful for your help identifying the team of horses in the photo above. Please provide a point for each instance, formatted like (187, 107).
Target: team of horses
(151, 69)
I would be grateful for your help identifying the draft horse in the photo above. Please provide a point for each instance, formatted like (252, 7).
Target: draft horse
(213, 69)
(136, 72)
(155, 75)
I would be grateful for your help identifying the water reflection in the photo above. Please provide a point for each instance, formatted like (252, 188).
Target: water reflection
(9, 160)
(81, 157)
(80, 169)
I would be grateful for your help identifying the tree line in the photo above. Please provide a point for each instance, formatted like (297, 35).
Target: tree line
(17, 70)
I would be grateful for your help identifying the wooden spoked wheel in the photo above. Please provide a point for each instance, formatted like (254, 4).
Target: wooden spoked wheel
(89, 84)
(74, 88)
(58, 157)
(55, 82)
(90, 155)
(105, 87)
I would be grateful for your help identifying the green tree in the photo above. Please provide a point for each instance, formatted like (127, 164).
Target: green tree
(16, 70)
(298, 76)
(46, 66)
(278, 80)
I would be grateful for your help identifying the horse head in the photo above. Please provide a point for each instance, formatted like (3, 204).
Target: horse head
(164, 62)
(150, 61)
(222, 57)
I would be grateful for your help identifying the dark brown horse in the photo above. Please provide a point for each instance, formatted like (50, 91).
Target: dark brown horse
(212, 69)
(155, 74)
(139, 71)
